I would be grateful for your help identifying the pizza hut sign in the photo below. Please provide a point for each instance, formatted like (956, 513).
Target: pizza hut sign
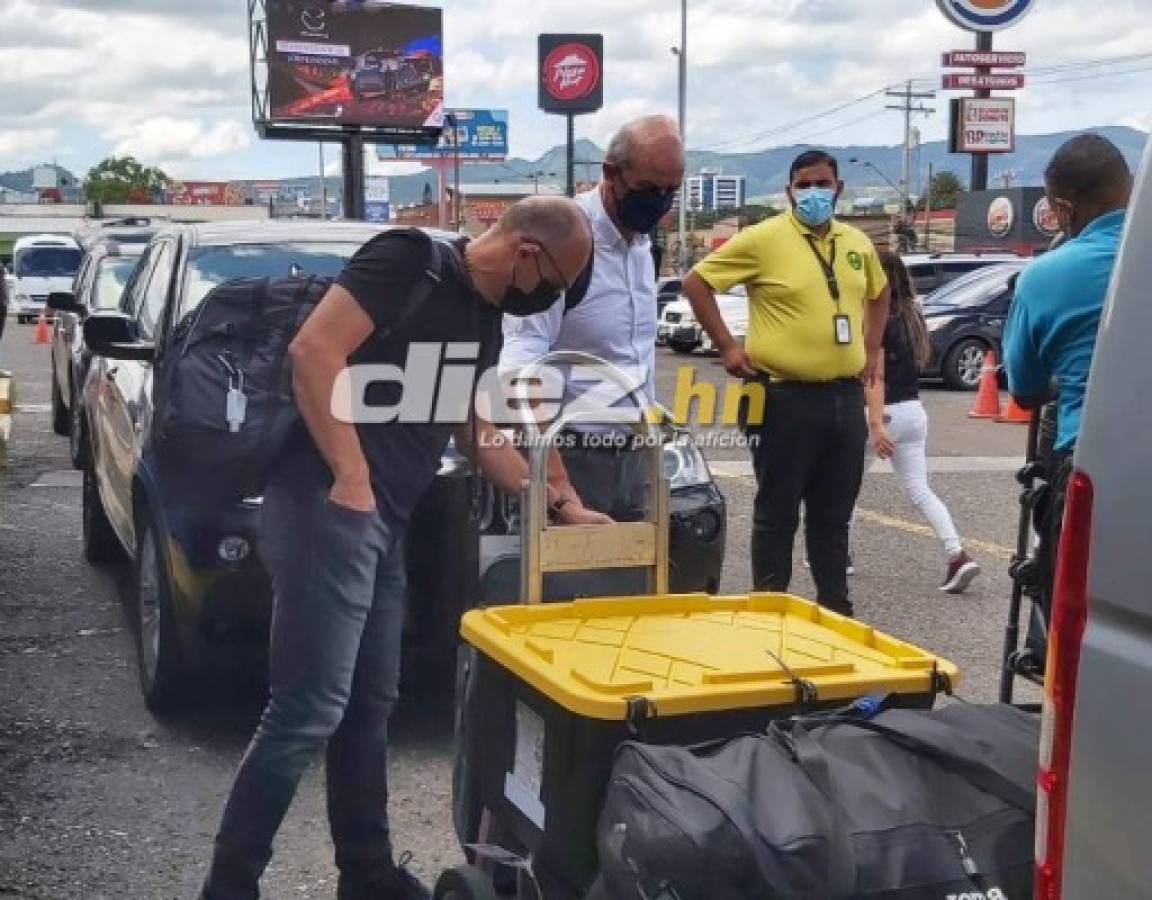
(571, 73)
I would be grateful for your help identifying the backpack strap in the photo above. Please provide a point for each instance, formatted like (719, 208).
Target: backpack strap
(421, 291)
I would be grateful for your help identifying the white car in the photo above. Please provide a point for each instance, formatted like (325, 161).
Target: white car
(679, 329)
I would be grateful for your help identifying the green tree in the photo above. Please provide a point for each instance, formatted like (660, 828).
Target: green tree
(122, 179)
(945, 188)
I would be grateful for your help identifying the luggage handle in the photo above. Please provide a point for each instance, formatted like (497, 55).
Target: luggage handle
(571, 548)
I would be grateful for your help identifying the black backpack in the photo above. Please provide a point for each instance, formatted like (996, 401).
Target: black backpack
(223, 393)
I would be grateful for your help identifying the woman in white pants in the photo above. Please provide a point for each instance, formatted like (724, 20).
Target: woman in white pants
(898, 424)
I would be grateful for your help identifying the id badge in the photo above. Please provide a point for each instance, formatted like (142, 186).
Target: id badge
(843, 329)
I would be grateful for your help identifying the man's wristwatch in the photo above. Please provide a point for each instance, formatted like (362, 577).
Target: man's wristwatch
(556, 505)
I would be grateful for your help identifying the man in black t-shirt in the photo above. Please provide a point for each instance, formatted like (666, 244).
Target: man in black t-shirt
(335, 510)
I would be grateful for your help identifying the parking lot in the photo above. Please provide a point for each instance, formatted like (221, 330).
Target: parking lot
(100, 800)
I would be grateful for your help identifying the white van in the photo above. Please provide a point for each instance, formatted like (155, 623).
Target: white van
(41, 265)
(1095, 798)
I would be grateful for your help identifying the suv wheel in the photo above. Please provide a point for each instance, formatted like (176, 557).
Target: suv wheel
(101, 546)
(682, 346)
(77, 437)
(61, 420)
(963, 365)
(164, 673)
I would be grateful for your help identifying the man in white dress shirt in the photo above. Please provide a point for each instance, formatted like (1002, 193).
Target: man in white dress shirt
(616, 320)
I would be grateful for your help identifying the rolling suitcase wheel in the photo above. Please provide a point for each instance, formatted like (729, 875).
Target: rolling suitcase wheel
(464, 883)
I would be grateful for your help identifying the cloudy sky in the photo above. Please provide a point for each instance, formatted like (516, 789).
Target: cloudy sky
(167, 80)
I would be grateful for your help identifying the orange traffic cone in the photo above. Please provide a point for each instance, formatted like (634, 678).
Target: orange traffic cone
(1015, 413)
(987, 404)
(43, 332)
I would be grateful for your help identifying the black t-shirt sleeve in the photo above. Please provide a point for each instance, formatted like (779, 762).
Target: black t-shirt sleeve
(384, 272)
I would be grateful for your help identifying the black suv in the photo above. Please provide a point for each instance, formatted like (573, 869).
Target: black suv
(966, 319)
(198, 584)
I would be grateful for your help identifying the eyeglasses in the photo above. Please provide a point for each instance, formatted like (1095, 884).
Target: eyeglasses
(565, 285)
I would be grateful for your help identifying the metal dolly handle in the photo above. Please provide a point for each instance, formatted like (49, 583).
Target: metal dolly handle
(580, 548)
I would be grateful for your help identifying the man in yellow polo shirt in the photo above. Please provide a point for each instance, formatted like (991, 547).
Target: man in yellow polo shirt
(818, 303)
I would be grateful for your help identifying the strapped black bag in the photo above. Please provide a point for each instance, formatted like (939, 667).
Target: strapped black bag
(909, 805)
(223, 392)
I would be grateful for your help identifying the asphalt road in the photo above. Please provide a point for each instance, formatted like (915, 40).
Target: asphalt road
(100, 800)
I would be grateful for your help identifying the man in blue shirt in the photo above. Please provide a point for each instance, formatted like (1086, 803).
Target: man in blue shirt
(1055, 314)
(1051, 328)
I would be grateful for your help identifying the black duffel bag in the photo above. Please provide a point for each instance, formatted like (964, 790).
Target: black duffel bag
(907, 805)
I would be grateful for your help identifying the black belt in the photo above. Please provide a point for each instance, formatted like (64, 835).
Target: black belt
(788, 383)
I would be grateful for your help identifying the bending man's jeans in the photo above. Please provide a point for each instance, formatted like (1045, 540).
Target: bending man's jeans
(810, 449)
(338, 576)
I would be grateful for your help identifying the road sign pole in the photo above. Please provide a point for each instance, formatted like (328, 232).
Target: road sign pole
(979, 179)
(353, 153)
(571, 189)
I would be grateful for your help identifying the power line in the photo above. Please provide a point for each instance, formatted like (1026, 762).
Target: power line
(781, 129)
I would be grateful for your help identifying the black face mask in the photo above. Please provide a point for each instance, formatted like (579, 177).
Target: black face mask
(641, 210)
(518, 302)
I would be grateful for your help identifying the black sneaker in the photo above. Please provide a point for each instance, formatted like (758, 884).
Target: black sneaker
(396, 883)
(962, 570)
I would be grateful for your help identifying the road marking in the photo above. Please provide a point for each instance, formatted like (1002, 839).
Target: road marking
(986, 547)
(33, 407)
(59, 478)
(742, 468)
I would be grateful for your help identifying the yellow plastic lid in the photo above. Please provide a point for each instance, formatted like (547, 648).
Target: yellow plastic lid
(695, 653)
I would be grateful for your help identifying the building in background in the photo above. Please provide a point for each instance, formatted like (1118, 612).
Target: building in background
(713, 191)
(482, 204)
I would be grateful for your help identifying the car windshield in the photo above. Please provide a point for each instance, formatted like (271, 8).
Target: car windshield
(47, 262)
(111, 277)
(973, 289)
(211, 266)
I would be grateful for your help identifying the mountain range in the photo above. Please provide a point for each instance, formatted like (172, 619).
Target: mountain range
(766, 171)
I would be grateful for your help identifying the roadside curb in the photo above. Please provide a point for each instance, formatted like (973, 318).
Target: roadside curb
(7, 392)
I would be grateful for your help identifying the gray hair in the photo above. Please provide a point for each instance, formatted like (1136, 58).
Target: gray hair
(626, 142)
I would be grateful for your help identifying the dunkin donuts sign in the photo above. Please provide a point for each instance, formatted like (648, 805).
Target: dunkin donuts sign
(571, 73)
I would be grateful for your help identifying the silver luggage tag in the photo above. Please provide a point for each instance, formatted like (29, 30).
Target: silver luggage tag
(236, 406)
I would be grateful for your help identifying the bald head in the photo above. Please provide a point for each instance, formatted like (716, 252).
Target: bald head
(555, 223)
(646, 143)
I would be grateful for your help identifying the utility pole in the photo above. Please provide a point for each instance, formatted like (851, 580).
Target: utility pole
(979, 180)
(682, 79)
(907, 107)
(323, 186)
(928, 213)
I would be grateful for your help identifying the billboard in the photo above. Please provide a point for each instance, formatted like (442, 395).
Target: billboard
(205, 193)
(571, 73)
(983, 125)
(482, 133)
(355, 62)
(1016, 220)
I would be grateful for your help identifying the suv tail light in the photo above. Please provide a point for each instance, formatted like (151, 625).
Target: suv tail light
(1069, 617)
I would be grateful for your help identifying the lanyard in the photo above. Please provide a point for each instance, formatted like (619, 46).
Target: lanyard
(827, 266)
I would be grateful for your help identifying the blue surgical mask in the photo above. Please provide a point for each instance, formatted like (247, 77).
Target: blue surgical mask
(815, 206)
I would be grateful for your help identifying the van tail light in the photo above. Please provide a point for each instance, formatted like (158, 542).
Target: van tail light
(1069, 616)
